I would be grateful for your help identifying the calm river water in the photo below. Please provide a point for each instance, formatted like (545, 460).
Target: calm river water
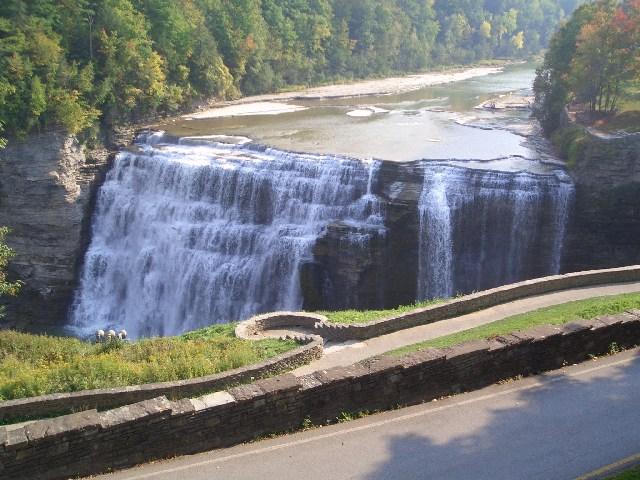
(438, 122)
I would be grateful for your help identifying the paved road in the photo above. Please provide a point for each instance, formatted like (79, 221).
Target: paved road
(350, 353)
(553, 427)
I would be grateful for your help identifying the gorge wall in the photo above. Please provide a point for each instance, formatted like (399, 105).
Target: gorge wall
(46, 184)
(604, 230)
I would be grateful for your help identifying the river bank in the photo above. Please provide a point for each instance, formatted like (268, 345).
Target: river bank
(270, 104)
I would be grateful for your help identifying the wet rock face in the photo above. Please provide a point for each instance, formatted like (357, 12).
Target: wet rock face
(605, 226)
(448, 230)
(46, 187)
(379, 271)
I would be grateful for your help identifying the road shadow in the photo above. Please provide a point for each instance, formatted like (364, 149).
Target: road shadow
(561, 429)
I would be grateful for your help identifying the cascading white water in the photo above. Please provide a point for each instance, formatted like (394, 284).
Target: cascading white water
(190, 234)
(435, 277)
(480, 229)
(561, 207)
(195, 232)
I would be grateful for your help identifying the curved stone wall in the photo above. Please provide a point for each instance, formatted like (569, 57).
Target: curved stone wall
(320, 325)
(60, 403)
(94, 442)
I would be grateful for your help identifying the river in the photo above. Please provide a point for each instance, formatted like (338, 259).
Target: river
(435, 122)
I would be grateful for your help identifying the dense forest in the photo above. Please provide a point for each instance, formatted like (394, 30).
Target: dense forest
(70, 63)
(593, 61)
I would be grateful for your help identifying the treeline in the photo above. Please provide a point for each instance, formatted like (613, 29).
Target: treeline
(69, 63)
(593, 61)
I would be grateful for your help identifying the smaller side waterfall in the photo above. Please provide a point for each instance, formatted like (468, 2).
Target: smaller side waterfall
(480, 229)
(436, 239)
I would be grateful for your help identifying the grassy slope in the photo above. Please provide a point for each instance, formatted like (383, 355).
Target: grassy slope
(633, 474)
(35, 365)
(556, 315)
(364, 316)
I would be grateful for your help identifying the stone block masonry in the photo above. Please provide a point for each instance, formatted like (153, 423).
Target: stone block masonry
(92, 442)
(320, 325)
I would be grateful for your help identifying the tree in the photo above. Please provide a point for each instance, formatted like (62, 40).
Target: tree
(68, 64)
(6, 253)
(601, 64)
(592, 61)
(551, 86)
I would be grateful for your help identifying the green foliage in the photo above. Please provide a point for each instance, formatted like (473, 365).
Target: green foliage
(633, 474)
(569, 143)
(35, 364)
(593, 60)
(6, 253)
(364, 316)
(66, 64)
(556, 315)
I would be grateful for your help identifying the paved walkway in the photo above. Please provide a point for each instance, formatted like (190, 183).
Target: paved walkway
(345, 354)
(557, 426)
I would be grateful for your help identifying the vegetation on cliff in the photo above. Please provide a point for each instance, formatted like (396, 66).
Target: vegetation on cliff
(593, 61)
(33, 365)
(556, 315)
(70, 63)
(6, 254)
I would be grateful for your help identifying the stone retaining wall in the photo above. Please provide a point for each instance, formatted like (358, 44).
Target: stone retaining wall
(320, 325)
(114, 397)
(92, 442)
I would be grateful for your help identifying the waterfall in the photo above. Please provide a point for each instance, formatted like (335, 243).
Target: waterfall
(562, 206)
(436, 245)
(480, 229)
(190, 232)
(193, 233)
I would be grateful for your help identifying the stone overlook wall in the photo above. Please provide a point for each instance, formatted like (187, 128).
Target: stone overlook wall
(320, 325)
(92, 442)
(114, 397)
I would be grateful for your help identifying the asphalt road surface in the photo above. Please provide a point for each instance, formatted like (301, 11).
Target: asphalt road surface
(561, 425)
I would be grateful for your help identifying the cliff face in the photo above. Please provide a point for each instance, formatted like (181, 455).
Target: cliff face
(605, 224)
(47, 183)
(380, 271)
(447, 230)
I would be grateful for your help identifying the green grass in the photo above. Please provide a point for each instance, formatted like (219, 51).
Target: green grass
(556, 315)
(633, 474)
(364, 316)
(33, 365)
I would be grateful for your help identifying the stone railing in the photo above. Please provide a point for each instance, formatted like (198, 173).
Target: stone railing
(255, 326)
(60, 403)
(92, 442)
(320, 325)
